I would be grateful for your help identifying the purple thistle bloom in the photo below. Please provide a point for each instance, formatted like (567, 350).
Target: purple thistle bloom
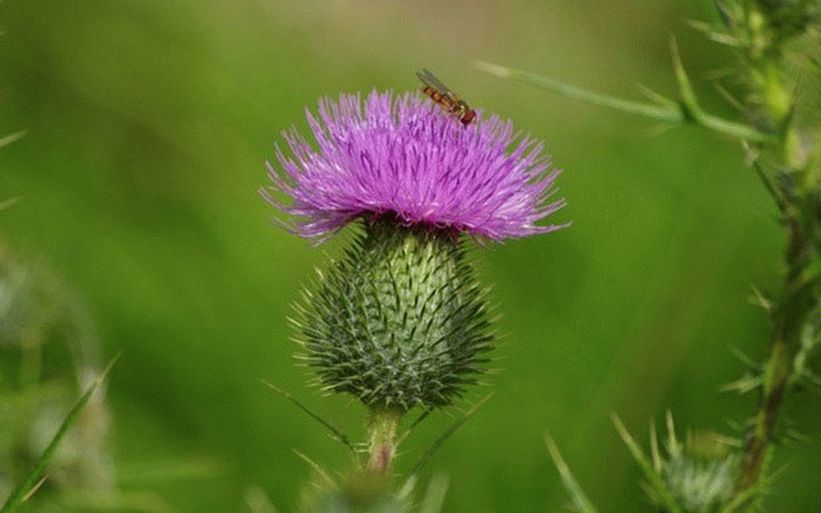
(404, 156)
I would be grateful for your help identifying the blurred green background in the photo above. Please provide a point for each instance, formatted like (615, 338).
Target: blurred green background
(149, 123)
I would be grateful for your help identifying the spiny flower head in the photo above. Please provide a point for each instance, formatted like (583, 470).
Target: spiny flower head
(400, 321)
(402, 156)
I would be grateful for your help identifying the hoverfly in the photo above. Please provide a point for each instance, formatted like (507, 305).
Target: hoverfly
(449, 101)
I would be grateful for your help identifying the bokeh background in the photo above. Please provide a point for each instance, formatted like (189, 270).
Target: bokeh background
(149, 123)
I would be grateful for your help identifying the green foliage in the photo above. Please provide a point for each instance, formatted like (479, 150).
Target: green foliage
(697, 475)
(360, 500)
(35, 476)
(47, 356)
(684, 111)
(458, 423)
(764, 26)
(369, 493)
(771, 36)
(335, 431)
(399, 321)
(783, 148)
(148, 128)
(658, 490)
(701, 472)
(581, 502)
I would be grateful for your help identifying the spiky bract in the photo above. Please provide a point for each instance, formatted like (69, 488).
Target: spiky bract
(400, 321)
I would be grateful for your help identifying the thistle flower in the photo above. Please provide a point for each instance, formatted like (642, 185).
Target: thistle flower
(405, 157)
(400, 320)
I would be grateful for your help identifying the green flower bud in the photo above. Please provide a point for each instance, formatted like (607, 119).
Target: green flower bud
(702, 474)
(361, 493)
(399, 321)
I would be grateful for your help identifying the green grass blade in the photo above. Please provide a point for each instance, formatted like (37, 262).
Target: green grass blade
(338, 434)
(321, 472)
(577, 495)
(742, 500)
(164, 471)
(654, 480)
(9, 202)
(435, 494)
(444, 436)
(655, 453)
(257, 501)
(8, 139)
(35, 475)
(413, 425)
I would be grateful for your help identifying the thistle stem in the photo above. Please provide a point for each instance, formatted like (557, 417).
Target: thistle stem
(382, 429)
(799, 298)
(789, 317)
(757, 450)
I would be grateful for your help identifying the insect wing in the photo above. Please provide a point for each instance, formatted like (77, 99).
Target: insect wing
(430, 79)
